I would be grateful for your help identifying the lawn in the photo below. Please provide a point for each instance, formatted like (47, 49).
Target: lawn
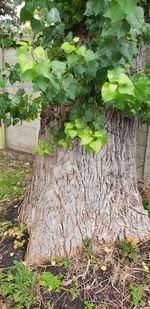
(114, 277)
(0, 137)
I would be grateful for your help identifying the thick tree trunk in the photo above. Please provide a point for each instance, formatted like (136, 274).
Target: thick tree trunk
(75, 195)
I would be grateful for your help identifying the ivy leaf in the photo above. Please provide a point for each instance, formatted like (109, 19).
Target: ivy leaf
(58, 66)
(43, 68)
(68, 48)
(85, 137)
(40, 53)
(81, 51)
(86, 140)
(115, 13)
(53, 16)
(79, 123)
(113, 75)
(125, 85)
(142, 86)
(26, 62)
(90, 55)
(71, 133)
(109, 92)
(25, 15)
(41, 83)
(128, 5)
(36, 25)
(97, 145)
(136, 18)
(2, 82)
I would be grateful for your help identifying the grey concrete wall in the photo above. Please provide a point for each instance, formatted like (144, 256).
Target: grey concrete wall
(24, 137)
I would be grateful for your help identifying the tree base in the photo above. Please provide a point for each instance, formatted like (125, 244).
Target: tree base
(75, 195)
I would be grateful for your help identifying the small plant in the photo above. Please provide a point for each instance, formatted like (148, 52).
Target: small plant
(137, 293)
(88, 248)
(63, 262)
(146, 204)
(4, 226)
(148, 278)
(19, 233)
(50, 281)
(129, 249)
(75, 291)
(20, 285)
(88, 305)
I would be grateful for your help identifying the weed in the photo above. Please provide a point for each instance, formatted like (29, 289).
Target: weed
(137, 293)
(50, 281)
(88, 248)
(20, 285)
(146, 204)
(19, 233)
(63, 262)
(148, 278)
(75, 291)
(88, 305)
(4, 226)
(129, 249)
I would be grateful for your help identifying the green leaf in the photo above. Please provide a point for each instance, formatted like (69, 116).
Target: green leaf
(115, 13)
(79, 123)
(50, 281)
(36, 25)
(97, 145)
(68, 48)
(41, 83)
(53, 16)
(58, 66)
(26, 62)
(43, 69)
(85, 140)
(81, 51)
(40, 53)
(25, 15)
(113, 75)
(69, 125)
(128, 5)
(71, 133)
(136, 18)
(109, 92)
(125, 85)
(90, 55)
(7, 122)
(2, 82)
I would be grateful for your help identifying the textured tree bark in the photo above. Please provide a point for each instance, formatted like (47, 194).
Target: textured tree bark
(74, 195)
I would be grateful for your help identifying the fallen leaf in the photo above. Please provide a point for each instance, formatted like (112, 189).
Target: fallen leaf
(133, 240)
(104, 267)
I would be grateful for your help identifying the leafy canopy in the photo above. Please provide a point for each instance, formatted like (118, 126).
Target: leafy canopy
(80, 59)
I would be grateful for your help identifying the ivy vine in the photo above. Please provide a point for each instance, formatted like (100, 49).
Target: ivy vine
(80, 57)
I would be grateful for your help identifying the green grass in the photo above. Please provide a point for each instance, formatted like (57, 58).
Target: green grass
(0, 137)
(12, 184)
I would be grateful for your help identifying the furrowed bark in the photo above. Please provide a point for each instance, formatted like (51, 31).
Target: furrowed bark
(75, 195)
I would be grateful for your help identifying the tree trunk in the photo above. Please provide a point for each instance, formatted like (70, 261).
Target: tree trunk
(74, 195)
